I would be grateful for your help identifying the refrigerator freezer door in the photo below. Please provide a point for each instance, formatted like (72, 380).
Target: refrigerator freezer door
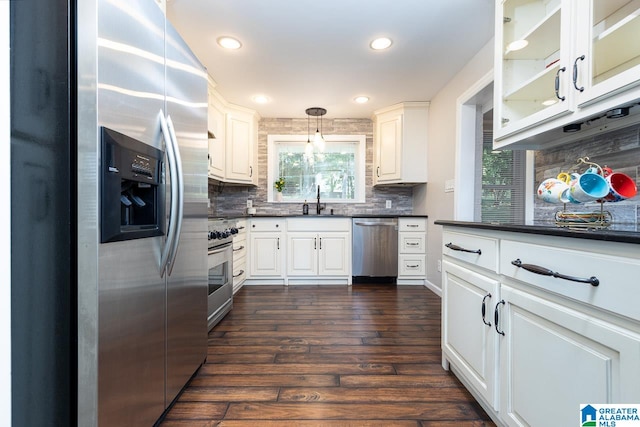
(131, 293)
(187, 282)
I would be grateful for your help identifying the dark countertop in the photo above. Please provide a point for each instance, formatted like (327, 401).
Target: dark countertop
(321, 216)
(550, 229)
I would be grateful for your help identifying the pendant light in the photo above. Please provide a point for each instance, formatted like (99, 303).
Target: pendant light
(308, 149)
(318, 139)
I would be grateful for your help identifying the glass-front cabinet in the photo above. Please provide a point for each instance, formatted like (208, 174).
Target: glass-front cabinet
(608, 48)
(533, 50)
(559, 62)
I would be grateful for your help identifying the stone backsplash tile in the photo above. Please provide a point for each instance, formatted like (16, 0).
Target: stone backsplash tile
(620, 150)
(229, 200)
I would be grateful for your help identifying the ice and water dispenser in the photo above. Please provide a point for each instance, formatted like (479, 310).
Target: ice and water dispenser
(132, 191)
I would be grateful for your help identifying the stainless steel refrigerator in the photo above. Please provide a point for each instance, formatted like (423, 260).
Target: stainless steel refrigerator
(101, 333)
(142, 285)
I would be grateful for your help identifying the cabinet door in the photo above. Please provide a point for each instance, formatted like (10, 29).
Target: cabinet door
(302, 258)
(334, 251)
(239, 133)
(266, 258)
(468, 342)
(216, 158)
(389, 146)
(526, 77)
(553, 358)
(609, 38)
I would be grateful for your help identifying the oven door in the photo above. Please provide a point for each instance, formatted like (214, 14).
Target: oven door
(220, 266)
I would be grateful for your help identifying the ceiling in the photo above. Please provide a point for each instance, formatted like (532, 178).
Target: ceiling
(303, 53)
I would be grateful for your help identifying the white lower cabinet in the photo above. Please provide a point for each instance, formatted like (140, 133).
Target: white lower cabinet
(412, 252)
(240, 255)
(266, 248)
(469, 340)
(556, 358)
(317, 254)
(531, 348)
(321, 252)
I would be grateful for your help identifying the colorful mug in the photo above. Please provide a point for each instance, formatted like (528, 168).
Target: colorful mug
(621, 187)
(553, 190)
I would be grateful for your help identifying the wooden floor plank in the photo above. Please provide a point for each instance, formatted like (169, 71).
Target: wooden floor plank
(359, 411)
(268, 380)
(327, 356)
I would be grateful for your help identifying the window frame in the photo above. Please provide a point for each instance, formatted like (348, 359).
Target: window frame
(360, 172)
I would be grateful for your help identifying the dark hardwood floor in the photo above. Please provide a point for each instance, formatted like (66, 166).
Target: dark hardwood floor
(366, 355)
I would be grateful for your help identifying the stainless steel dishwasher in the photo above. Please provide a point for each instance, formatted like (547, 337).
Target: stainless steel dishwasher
(375, 248)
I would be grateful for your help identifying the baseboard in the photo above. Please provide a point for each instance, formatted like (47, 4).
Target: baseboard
(433, 288)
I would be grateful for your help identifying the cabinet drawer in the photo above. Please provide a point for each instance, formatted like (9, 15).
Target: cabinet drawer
(617, 276)
(258, 225)
(318, 224)
(412, 242)
(412, 265)
(239, 274)
(239, 249)
(241, 225)
(412, 224)
(485, 249)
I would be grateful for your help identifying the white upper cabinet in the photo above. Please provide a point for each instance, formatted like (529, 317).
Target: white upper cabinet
(233, 140)
(609, 41)
(526, 77)
(576, 60)
(400, 144)
(216, 127)
(241, 139)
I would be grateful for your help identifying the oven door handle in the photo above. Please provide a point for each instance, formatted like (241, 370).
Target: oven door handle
(171, 160)
(219, 250)
(179, 192)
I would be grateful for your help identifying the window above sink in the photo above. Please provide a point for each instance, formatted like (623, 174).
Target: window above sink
(339, 169)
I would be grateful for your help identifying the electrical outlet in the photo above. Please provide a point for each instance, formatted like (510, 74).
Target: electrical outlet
(439, 266)
(249, 203)
(388, 204)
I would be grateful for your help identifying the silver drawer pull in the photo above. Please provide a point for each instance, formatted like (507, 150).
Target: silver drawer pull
(461, 249)
(239, 274)
(239, 249)
(412, 225)
(413, 244)
(593, 281)
(413, 266)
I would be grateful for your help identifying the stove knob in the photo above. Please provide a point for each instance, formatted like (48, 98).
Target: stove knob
(210, 235)
(233, 230)
(225, 234)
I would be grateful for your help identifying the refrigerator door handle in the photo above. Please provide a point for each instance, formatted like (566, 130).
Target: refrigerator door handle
(171, 159)
(180, 193)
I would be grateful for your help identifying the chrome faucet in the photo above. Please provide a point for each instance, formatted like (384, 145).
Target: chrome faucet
(319, 207)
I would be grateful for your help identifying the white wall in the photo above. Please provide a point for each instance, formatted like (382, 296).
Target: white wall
(5, 224)
(432, 200)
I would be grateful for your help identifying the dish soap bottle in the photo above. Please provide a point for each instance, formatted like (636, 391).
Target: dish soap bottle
(305, 208)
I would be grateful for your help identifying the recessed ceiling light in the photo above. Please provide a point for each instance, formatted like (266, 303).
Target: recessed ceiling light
(380, 43)
(549, 102)
(517, 45)
(229, 42)
(361, 99)
(260, 99)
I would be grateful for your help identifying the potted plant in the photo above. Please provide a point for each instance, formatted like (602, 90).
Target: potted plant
(279, 184)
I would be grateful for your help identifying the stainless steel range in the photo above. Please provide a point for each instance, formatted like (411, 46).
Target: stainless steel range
(220, 264)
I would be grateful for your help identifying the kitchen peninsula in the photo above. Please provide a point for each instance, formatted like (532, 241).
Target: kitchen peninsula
(540, 317)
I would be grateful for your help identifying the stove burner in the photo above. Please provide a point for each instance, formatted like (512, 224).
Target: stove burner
(220, 232)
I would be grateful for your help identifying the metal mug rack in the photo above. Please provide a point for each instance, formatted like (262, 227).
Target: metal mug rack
(584, 220)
